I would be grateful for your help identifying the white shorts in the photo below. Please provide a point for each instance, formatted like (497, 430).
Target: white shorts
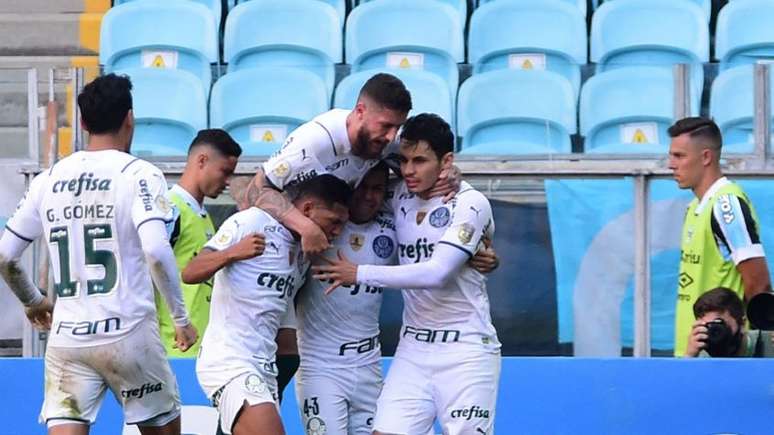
(135, 368)
(338, 401)
(251, 387)
(459, 389)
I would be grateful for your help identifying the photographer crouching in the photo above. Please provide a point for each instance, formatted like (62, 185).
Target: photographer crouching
(720, 329)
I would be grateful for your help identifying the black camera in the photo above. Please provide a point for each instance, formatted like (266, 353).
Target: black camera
(720, 339)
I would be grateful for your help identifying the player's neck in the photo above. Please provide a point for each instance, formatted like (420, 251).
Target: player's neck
(102, 142)
(707, 181)
(190, 186)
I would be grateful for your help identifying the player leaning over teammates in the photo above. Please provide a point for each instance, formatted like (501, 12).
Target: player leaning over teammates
(212, 158)
(236, 366)
(447, 365)
(338, 334)
(340, 142)
(101, 212)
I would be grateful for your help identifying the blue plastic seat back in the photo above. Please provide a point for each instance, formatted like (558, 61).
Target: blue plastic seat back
(169, 108)
(290, 33)
(173, 34)
(516, 112)
(529, 34)
(406, 34)
(339, 5)
(429, 93)
(705, 5)
(215, 6)
(259, 107)
(732, 107)
(580, 4)
(460, 5)
(745, 33)
(628, 110)
(650, 33)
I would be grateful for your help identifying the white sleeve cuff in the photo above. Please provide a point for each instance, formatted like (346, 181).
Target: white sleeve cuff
(746, 253)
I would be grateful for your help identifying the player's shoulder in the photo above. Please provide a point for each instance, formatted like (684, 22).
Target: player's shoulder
(255, 220)
(469, 195)
(136, 167)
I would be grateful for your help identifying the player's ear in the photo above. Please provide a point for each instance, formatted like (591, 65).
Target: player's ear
(447, 160)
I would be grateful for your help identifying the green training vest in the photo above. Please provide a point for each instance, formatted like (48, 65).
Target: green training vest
(702, 266)
(195, 231)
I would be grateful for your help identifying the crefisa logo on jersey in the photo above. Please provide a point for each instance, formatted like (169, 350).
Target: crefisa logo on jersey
(383, 246)
(440, 217)
(84, 182)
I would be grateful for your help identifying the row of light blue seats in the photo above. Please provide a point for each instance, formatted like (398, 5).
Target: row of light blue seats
(538, 34)
(498, 112)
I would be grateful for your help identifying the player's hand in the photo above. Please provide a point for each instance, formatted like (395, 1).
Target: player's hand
(341, 271)
(697, 339)
(313, 240)
(185, 337)
(251, 246)
(448, 184)
(486, 259)
(40, 314)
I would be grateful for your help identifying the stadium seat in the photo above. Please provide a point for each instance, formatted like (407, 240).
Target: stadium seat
(650, 33)
(529, 34)
(406, 34)
(580, 4)
(302, 34)
(170, 107)
(260, 106)
(429, 93)
(744, 33)
(173, 34)
(215, 6)
(516, 112)
(628, 110)
(460, 5)
(705, 5)
(732, 107)
(339, 5)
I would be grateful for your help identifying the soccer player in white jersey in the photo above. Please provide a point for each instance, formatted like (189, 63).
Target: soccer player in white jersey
(236, 365)
(447, 365)
(338, 335)
(101, 212)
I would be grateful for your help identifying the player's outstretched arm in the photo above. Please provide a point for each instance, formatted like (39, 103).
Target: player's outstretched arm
(209, 261)
(36, 306)
(755, 276)
(272, 201)
(431, 274)
(163, 269)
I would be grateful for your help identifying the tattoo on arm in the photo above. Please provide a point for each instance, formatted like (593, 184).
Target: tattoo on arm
(268, 199)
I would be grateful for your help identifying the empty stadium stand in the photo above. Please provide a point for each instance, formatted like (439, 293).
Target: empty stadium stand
(260, 106)
(516, 112)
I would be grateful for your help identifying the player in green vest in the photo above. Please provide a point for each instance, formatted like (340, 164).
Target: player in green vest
(720, 244)
(212, 158)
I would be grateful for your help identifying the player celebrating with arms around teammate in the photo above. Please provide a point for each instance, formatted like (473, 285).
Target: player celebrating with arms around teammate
(236, 366)
(447, 365)
(102, 214)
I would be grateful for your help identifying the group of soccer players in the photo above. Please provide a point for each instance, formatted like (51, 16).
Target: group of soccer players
(328, 249)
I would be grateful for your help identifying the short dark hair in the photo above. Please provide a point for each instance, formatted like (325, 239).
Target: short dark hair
(432, 129)
(387, 91)
(104, 103)
(383, 167)
(219, 140)
(326, 187)
(720, 299)
(697, 127)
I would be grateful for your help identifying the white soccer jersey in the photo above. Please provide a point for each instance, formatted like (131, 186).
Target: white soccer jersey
(321, 146)
(87, 208)
(442, 319)
(342, 328)
(249, 298)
